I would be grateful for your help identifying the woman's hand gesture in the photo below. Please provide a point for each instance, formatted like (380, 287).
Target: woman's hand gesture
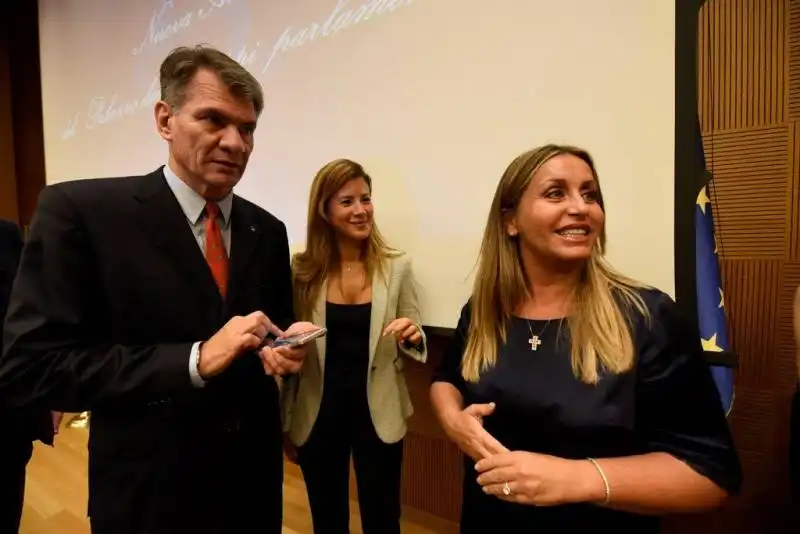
(404, 329)
(465, 428)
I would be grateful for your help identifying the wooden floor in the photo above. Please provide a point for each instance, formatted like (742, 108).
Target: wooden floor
(55, 495)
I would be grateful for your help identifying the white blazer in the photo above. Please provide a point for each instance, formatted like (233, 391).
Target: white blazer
(389, 402)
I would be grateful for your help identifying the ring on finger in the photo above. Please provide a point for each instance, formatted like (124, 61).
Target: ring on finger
(506, 489)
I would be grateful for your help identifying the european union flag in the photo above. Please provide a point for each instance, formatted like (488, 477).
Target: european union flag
(710, 300)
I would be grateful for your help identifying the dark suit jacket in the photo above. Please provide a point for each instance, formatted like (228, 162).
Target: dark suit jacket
(23, 426)
(10, 250)
(111, 293)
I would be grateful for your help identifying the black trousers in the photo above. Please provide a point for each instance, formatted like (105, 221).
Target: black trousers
(183, 477)
(344, 426)
(15, 452)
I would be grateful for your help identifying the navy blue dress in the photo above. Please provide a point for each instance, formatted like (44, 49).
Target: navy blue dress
(668, 403)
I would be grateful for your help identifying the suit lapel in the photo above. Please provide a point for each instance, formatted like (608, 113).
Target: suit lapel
(380, 294)
(318, 317)
(244, 237)
(166, 227)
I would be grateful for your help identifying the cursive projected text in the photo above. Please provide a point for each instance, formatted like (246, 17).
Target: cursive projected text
(342, 17)
(164, 24)
(103, 110)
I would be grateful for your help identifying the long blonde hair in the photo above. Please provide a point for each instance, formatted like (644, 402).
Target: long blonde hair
(598, 324)
(312, 267)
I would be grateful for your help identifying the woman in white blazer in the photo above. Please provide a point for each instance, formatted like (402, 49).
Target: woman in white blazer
(351, 395)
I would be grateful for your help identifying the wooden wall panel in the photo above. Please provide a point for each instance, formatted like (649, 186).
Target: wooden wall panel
(27, 103)
(793, 197)
(21, 131)
(752, 174)
(433, 470)
(751, 296)
(749, 102)
(741, 59)
(786, 375)
(8, 181)
(754, 424)
(786, 365)
(432, 464)
(793, 63)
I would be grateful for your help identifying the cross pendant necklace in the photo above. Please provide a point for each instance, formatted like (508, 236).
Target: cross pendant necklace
(534, 341)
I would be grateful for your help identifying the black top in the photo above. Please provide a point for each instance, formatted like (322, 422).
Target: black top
(347, 346)
(668, 403)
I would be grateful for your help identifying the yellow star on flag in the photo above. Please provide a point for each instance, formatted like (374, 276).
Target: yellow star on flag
(703, 200)
(721, 298)
(710, 344)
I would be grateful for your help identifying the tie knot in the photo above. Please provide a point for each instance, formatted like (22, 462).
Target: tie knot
(212, 210)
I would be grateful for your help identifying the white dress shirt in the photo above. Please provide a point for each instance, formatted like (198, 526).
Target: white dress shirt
(193, 206)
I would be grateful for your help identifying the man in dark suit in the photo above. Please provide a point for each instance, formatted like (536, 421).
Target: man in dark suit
(148, 301)
(21, 429)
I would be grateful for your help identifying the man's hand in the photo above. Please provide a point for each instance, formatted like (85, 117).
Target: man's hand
(239, 335)
(286, 360)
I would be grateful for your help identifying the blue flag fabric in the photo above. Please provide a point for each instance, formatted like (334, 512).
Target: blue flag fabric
(711, 314)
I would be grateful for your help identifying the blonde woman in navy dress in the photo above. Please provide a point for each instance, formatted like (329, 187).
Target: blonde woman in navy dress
(579, 396)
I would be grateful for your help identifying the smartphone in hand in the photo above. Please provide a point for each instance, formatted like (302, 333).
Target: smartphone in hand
(299, 339)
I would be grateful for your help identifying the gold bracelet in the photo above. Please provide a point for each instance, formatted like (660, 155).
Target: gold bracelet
(605, 480)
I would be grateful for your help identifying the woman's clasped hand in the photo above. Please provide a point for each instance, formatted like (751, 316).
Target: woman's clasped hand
(519, 476)
(539, 479)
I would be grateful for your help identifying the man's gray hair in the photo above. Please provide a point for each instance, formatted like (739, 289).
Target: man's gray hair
(180, 66)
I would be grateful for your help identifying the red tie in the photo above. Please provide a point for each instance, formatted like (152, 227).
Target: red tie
(216, 255)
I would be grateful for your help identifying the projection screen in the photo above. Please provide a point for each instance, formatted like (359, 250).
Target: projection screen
(433, 97)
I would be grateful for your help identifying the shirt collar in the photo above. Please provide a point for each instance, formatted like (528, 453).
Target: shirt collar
(191, 202)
